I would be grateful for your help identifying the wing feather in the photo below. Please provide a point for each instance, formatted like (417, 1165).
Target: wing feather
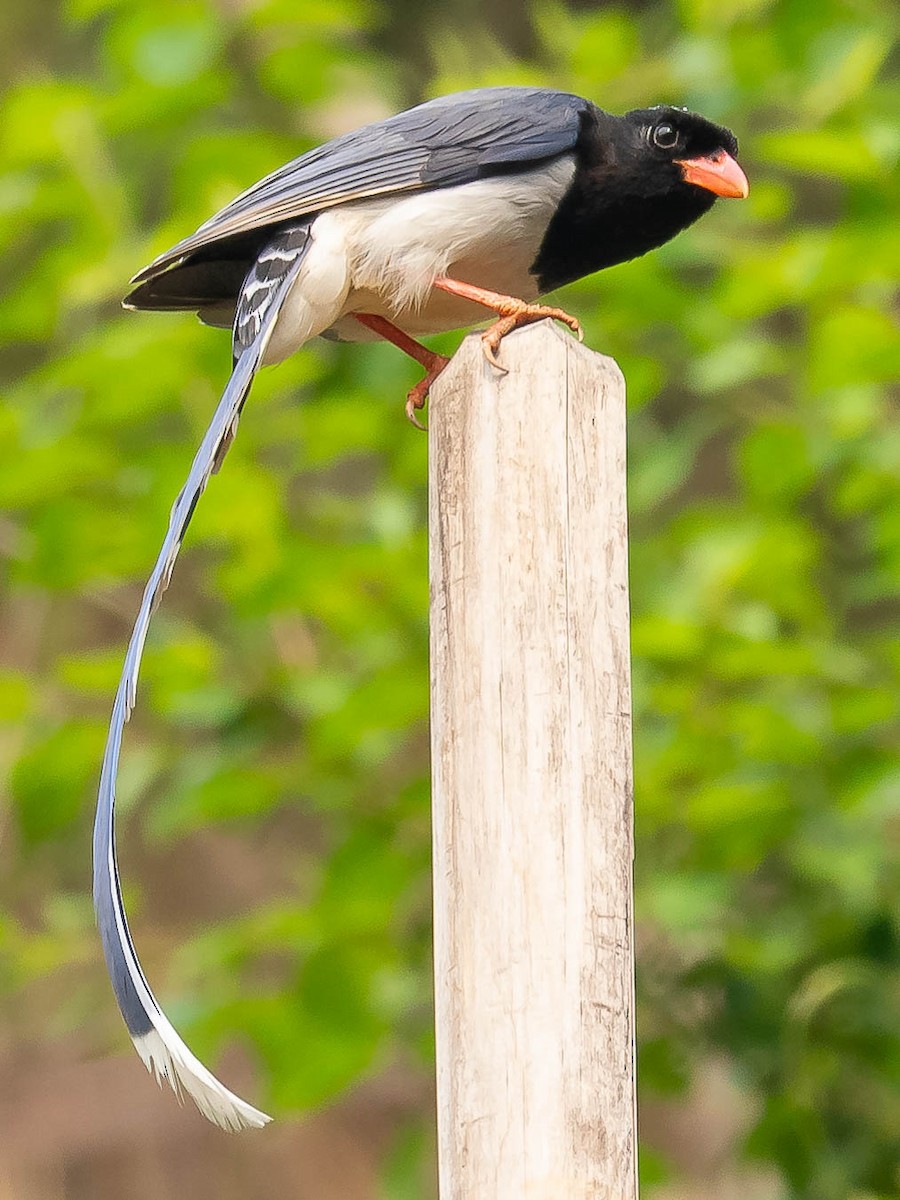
(442, 143)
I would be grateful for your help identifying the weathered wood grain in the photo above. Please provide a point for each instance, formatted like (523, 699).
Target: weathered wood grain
(532, 779)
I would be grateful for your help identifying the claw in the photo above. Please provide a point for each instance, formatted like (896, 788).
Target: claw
(511, 312)
(415, 397)
(490, 344)
(516, 313)
(412, 403)
(573, 323)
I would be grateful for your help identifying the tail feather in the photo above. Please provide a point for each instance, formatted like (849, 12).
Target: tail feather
(159, 1045)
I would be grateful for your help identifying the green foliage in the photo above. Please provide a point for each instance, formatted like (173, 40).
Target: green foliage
(284, 701)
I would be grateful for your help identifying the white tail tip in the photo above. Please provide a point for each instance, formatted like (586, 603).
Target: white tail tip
(185, 1073)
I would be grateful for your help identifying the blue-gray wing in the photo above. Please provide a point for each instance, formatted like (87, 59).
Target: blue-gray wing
(448, 141)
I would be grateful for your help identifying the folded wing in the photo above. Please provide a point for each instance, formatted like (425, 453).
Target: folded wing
(443, 143)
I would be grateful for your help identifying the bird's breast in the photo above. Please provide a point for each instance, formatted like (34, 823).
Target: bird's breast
(487, 232)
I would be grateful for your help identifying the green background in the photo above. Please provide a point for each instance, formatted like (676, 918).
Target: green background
(274, 789)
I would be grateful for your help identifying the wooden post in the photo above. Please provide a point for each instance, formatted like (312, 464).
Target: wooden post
(532, 784)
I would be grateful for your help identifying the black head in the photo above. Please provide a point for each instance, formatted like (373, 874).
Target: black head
(640, 179)
(668, 147)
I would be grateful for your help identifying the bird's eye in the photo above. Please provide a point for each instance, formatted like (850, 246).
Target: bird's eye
(665, 136)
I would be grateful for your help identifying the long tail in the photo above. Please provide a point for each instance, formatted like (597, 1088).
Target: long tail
(154, 1037)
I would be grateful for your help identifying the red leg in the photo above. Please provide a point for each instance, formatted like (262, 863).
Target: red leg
(432, 362)
(511, 311)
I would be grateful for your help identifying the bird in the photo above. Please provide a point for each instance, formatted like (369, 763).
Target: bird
(472, 203)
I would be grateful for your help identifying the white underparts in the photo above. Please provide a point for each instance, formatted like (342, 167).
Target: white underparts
(383, 256)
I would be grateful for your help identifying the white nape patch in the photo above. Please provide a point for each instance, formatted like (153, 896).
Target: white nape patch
(170, 1059)
(382, 256)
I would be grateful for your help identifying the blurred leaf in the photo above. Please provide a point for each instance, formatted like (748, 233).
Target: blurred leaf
(51, 779)
(277, 761)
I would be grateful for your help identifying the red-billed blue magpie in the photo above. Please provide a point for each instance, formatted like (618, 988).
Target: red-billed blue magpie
(480, 201)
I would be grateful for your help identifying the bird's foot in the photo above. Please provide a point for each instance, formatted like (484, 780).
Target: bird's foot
(415, 397)
(516, 313)
(512, 313)
(432, 362)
